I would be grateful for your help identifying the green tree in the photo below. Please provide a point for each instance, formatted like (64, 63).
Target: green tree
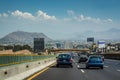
(17, 48)
(27, 47)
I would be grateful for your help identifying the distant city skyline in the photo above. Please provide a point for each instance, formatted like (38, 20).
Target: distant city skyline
(59, 19)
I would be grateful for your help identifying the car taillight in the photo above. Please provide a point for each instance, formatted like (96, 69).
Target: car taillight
(71, 60)
(58, 60)
(103, 59)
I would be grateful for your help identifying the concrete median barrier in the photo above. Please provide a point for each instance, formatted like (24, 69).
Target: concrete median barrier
(21, 71)
(112, 56)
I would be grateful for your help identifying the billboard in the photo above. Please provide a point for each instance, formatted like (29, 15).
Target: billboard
(101, 44)
(90, 39)
(38, 44)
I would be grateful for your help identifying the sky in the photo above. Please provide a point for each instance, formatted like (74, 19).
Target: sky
(58, 19)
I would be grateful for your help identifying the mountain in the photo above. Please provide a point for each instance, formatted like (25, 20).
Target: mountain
(111, 34)
(22, 37)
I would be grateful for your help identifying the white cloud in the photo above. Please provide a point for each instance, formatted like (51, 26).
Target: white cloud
(21, 14)
(80, 18)
(43, 15)
(108, 20)
(84, 18)
(26, 15)
(4, 15)
(70, 12)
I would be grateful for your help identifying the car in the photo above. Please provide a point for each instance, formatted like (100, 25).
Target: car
(64, 59)
(102, 57)
(83, 58)
(73, 55)
(95, 61)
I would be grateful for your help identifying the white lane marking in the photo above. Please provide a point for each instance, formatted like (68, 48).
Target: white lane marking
(73, 60)
(118, 70)
(78, 66)
(82, 71)
(106, 66)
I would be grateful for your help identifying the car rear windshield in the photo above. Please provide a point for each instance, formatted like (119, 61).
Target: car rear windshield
(64, 56)
(95, 58)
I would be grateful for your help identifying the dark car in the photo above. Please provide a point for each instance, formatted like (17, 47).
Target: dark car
(95, 61)
(83, 58)
(64, 59)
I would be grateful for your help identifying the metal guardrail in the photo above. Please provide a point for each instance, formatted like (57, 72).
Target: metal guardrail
(77, 50)
(11, 59)
(115, 56)
(112, 56)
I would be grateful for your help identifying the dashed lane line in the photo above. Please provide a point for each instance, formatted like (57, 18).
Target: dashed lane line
(78, 66)
(118, 70)
(82, 71)
(106, 66)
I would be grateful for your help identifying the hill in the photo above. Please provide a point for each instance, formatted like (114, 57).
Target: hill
(22, 37)
(111, 34)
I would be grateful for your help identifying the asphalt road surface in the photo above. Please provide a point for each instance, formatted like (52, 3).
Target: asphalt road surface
(111, 71)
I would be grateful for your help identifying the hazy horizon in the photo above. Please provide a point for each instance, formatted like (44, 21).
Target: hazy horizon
(59, 19)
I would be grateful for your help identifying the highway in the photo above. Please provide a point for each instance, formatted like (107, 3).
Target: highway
(111, 71)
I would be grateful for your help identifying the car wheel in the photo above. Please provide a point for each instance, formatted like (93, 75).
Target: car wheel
(87, 67)
(57, 65)
(101, 67)
(71, 66)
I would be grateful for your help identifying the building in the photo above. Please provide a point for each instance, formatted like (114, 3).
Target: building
(38, 44)
(68, 45)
